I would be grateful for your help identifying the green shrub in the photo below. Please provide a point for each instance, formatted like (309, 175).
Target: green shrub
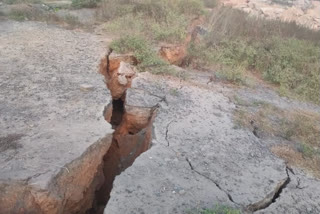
(142, 50)
(290, 63)
(71, 20)
(191, 7)
(306, 150)
(235, 52)
(112, 9)
(173, 32)
(210, 3)
(232, 74)
(127, 24)
(201, 55)
(293, 65)
(26, 13)
(227, 52)
(84, 3)
(160, 31)
(21, 1)
(157, 10)
(221, 210)
(18, 15)
(163, 20)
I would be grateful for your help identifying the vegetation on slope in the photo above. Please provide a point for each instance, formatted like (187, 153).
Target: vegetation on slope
(155, 20)
(299, 127)
(234, 44)
(142, 50)
(285, 54)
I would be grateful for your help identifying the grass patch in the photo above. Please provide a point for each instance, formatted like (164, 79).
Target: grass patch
(305, 158)
(210, 3)
(307, 151)
(221, 210)
(135, 24)
(84, 3)
(18, 15)
(293, 65)
(25, 13)
(232, 74)
(232, 57)
(163, 20)
(218, 209)
(300, 127)
(194, 7)
(287, 55)
(22, 1)
(296, 126)
(289, 63)
(71, 20)
(147, 57)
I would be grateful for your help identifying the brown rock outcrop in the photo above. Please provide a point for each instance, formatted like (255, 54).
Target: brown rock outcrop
(118, 73)
(176, 53)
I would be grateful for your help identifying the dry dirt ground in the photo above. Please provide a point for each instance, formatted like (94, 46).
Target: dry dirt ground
(197, 159)
(52, 131)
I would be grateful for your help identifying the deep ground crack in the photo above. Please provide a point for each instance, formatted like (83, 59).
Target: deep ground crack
(272, 196)
(213, 181)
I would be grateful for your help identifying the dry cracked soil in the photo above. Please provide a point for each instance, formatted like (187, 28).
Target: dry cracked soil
(55, 141)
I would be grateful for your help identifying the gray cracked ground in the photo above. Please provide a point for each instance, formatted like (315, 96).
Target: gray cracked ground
(50, 92)
(51, 99)
(199, 160)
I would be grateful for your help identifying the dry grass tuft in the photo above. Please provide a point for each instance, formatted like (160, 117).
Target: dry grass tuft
(294, 125)
(230, 23)
(296, 158)
(299, 127)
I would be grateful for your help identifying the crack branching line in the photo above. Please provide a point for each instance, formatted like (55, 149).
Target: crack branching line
(272, 196)
(213, 181)
(162, 98)
(167, 131)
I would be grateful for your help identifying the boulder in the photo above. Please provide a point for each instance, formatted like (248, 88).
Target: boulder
(174, 54)
(118, 74)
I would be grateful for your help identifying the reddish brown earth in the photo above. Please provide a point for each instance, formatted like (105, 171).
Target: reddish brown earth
(133, 124)
(176, 53)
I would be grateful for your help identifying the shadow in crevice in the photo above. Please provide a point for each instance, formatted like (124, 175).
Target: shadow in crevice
(127, 144)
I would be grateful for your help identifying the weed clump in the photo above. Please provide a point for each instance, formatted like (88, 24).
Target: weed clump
(163, 20)
(84, 3)
(218, 209)
(301, 128)
(142, 50)
(287, 58)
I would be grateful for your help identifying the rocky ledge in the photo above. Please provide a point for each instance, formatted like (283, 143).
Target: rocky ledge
(53, 135)
(199, 159)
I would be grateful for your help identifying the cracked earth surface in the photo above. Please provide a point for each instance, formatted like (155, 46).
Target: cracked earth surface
(198, 159)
